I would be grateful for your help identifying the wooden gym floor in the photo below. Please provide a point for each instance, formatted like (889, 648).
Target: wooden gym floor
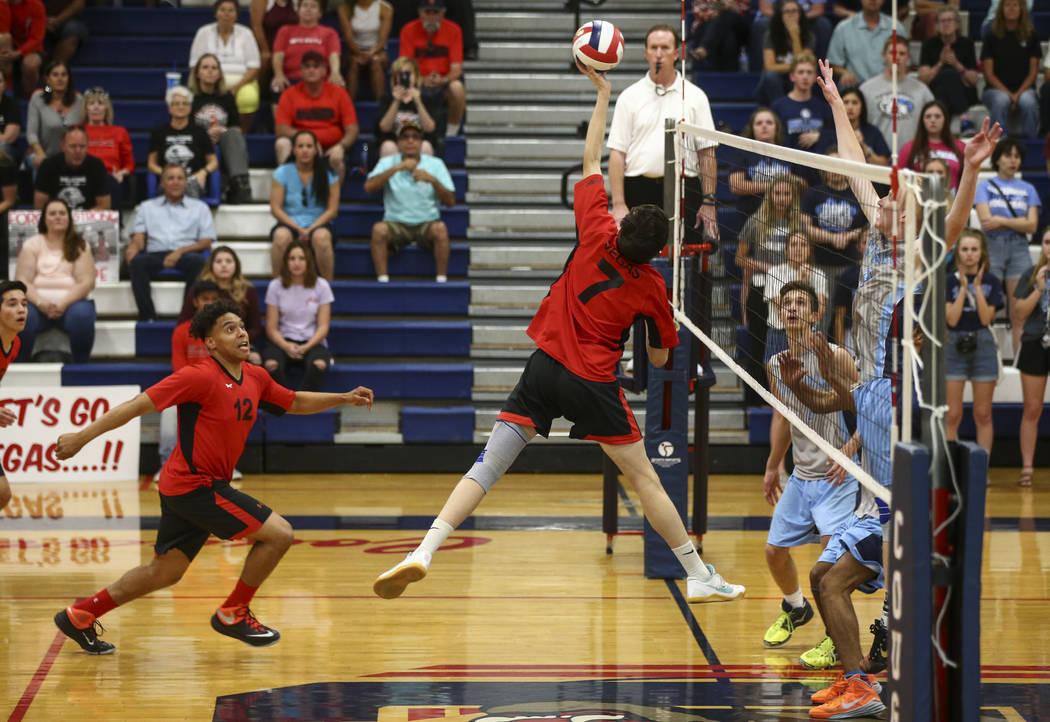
(523, 616)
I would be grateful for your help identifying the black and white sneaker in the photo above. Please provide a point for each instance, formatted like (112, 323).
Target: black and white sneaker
(240, 623)
(879, 647)
(87, 636)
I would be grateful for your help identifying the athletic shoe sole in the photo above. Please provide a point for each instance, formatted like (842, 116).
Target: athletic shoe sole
(814, 667)
(224, 630)
(391, 584)
(871, 709)
(713, 597)
(65, 625)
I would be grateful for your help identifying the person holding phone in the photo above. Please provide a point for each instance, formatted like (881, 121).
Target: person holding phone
(404, 102)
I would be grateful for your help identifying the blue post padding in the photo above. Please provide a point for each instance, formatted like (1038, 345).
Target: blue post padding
(759, 419)
(312, 428)
(971, 463)
(909, 586)
(435, 425)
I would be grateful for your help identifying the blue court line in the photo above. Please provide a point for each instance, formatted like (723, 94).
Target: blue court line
(627, 503)
(698, 633)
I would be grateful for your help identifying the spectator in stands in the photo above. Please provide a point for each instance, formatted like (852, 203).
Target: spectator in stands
(751, 174)
(911, 95)
(58, 270)
(215, 112)
(186, 350)
(973, 297)
(224, 269)
(65, 30)
(845, 288)
(182, 142)
(304, 198)
(50, 112)
(805, 115)
(843, 9)
(22, 27)
(787, 37)
(1044, 97)
(1009, 211)
(78, 179)
(267, 18)
(461, 12)
(295, 41)
(1031, 307)
(402, 102)
(1010, 58)
(924, 24)
(10, 120)
(298, 314)
(636, 138)
(720, 29)
(993, 8)
(436, 44)
(8, 196)
(834, 222)
(110, 143)
(934, 139)
(811, 13)
(939, 167)
(366, 28)
(237, 53)
(320, 107)
(797, 267)
(872, 143)
(854, 50)
(413, 185)
(761, 246)
(948, 64)
(170, 231)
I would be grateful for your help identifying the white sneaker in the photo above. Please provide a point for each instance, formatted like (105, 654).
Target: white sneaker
(237, 475)
(156, 477)
(391, 583)
(714, 589)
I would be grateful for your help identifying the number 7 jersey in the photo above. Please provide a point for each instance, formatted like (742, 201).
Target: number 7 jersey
(216, 413)
(586, 316)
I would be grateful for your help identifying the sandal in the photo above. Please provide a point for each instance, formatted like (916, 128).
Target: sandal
(1026, 478)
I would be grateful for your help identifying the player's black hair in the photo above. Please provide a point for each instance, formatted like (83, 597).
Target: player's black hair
(814, 302)
(643, 233)
(205, 285)
(204, 320)
(6, 286)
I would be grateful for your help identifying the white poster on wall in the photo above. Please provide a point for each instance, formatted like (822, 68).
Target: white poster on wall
(27, 447)
(101, 230)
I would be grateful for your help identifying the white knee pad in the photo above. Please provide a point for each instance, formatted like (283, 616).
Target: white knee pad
(505, 443)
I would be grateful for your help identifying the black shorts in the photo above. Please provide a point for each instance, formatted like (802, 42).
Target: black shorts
(1033, 359)
(186, 520)
(547, 390)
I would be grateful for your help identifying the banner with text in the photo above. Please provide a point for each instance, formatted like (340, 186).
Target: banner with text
(27, 447)
(101, 230)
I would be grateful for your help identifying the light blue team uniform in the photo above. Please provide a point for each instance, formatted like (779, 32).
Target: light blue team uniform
(810, 506)
(406, 200)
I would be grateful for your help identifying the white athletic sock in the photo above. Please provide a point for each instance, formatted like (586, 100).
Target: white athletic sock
(691, 562)
(886, 612)
(437, 534)
(441, 278)
(795, 599)
(383, 278)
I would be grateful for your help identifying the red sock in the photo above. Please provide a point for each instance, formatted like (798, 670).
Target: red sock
(241, 596)
(96, 605)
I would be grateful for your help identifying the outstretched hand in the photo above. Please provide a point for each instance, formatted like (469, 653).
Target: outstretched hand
(981, 145)
(791, 370)
(361, 396)
(599, 79)
(826, 81)
(67, 447)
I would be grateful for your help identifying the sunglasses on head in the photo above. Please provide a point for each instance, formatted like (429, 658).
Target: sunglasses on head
(97, 91)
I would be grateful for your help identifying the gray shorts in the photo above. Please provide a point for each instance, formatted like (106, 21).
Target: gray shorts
(981, 364)
(401, 234)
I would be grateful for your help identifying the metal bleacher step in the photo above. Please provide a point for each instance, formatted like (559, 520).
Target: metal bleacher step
(559, 26)
(550, 85)
(506, 299)
(555, 218)
(513, 116)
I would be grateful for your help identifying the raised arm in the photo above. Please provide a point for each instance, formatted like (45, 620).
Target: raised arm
(69, 444)
(312, 402)
(592, 148)
(976, 152)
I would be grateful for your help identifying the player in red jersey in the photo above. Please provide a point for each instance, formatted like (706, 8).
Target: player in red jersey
(13, 312)
(580, 329)
(218, 401)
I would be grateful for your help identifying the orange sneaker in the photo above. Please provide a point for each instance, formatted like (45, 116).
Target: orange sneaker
(859, 699)
(839, 686)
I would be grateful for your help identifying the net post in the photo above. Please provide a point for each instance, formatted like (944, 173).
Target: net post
(669, 174)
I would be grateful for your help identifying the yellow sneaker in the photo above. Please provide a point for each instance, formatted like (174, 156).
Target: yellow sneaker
(858, 699)
(782, 629)
(823, 656)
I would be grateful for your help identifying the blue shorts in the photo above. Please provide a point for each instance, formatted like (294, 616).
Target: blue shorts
(981, 364)
(862, 538)
(1008, 255)
(808, 510)
(874, 402)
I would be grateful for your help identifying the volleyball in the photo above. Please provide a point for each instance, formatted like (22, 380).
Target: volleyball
(599, 45)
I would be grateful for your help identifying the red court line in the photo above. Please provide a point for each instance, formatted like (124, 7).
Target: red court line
(38, 679)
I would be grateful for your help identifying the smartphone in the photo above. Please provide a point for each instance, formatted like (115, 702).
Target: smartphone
(405, 80)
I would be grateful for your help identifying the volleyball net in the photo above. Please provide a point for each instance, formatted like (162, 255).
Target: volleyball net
(787, 216)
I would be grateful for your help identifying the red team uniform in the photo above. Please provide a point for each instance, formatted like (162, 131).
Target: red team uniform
(6, 357)
(581, 328)
(216, 413)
